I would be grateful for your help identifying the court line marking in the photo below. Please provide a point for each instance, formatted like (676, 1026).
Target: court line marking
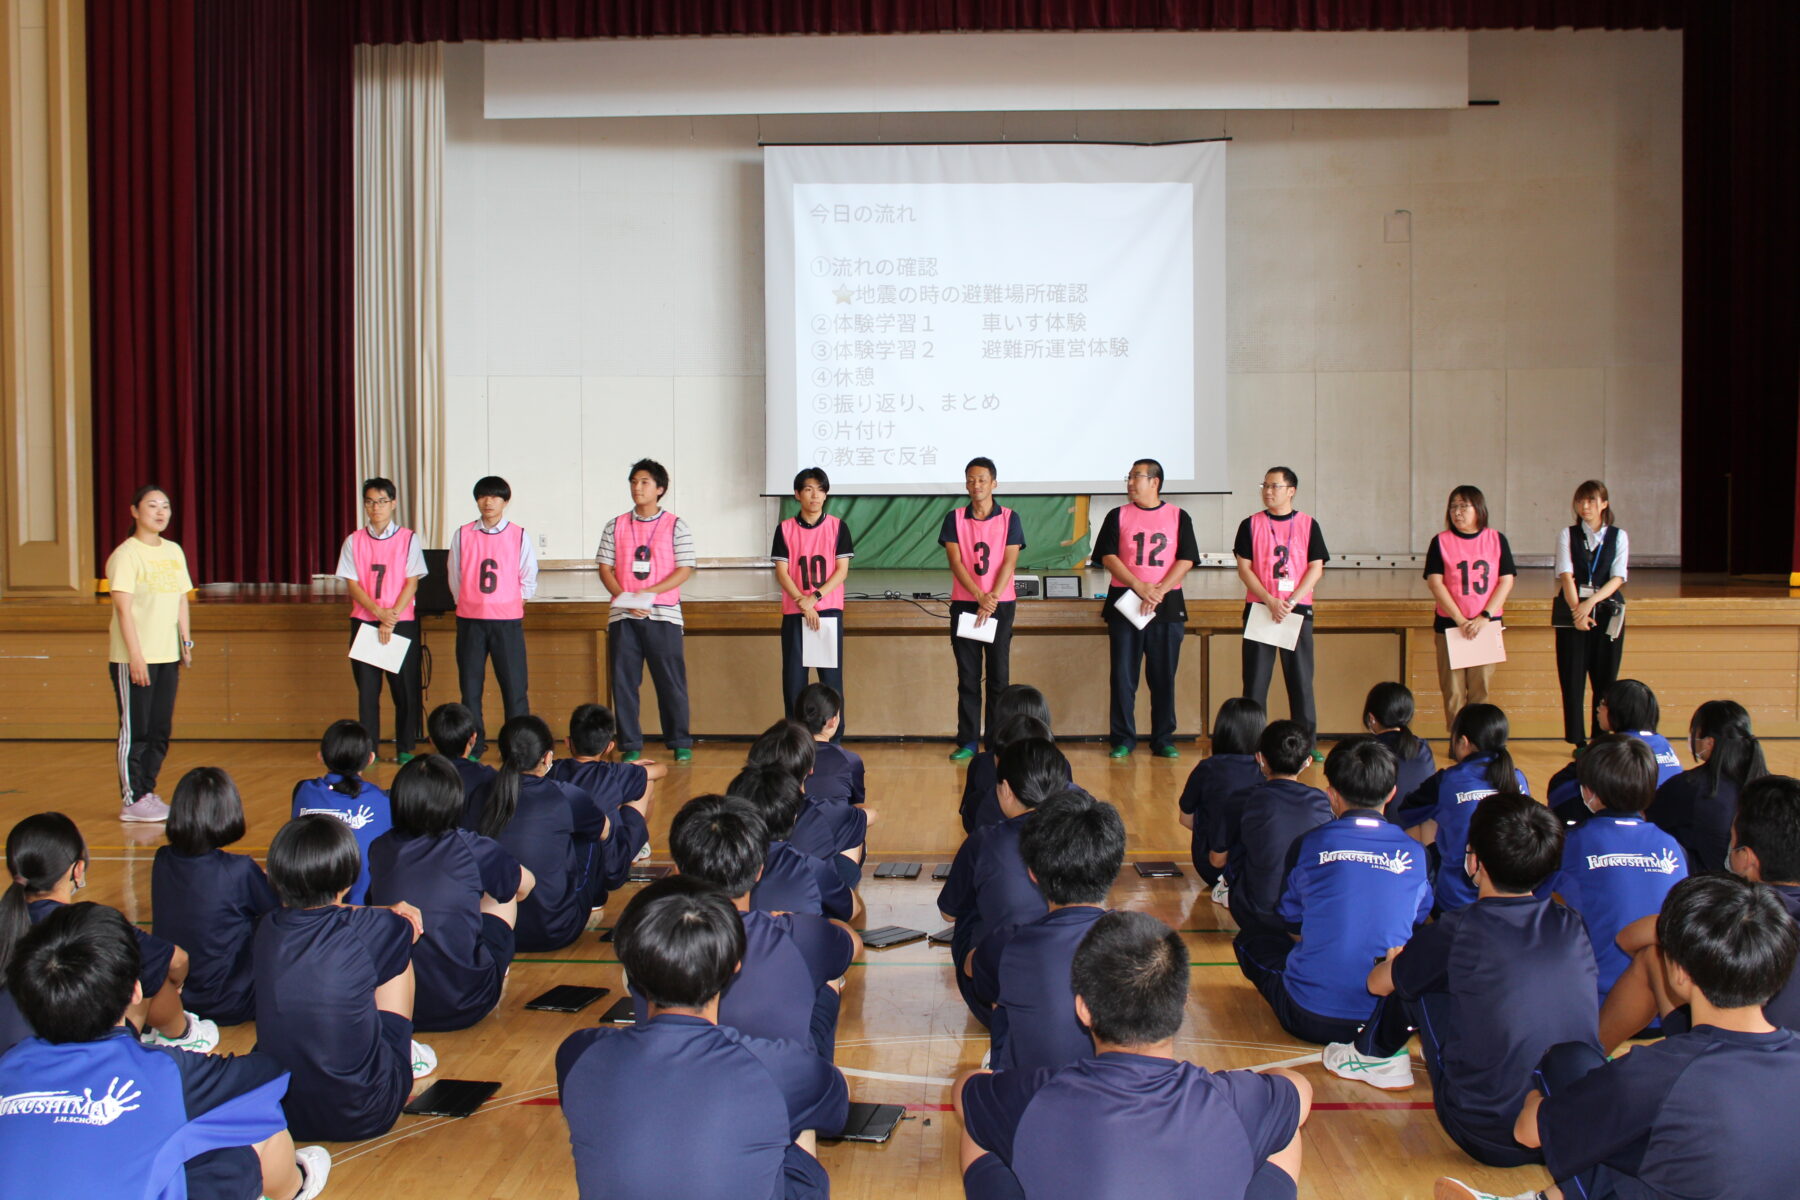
(890, 1077)
(394, 1139)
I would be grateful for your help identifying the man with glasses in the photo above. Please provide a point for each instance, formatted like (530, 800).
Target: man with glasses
(1148, 545)
(381, 565)
(1280, 556)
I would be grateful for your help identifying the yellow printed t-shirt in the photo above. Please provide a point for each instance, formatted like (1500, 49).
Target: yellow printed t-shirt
(157, 578)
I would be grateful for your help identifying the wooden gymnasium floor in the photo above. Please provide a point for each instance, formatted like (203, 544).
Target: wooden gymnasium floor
(904, 1031)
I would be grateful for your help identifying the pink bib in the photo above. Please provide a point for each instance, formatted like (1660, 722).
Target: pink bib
(1147, 540)
(381, 569)
(1471, 569)
(489, 589)
(1278, 551)
(812, 557)
(643, 552)
(983, 548)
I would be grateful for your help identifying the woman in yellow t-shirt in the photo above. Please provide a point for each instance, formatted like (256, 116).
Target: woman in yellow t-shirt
(149, 579)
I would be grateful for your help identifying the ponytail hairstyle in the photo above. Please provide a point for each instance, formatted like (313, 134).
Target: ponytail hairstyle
(1736, 754)
(787, 745)
(39, 851)
(346, 749)
(1631, 707)
(1593, 489)
(524, 741)
(1485, 728)
(1390, 706)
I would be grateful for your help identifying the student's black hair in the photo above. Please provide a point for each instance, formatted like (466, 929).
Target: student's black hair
(981, 460)
(1155, 472)
(345, 750)
(1486, 728)
(1517, 841)
(817, 475)
(592, 728)
(38, 851)
(378, 483)
(1019, 728)
(1631, 707)
(205, 812)
(1361, 770)
(720, 840)
(493, 485)
(1075, 847)
(1390, 704)
(1286, 473)
(816, 704)
(427, 796)
(775, 795)
(1620, 770)
(524, 741)
(679, 941)
(1597, 490)
(1238, 726)
(1021, 700)
(73, 973)
(137, 497)
(1471, 494)
(450, 726)
(312, 861)
(787, 746)
(1736, 754)
(1734, 938)
(659, 474)
(1768, 822)
(1034, 769)
(1286, 746)
(1132, 971)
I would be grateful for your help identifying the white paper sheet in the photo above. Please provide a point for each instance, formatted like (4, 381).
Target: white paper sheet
(367, 647)
(1132, 609)
(1484, 648)
(966, 628)
(638, 600)
(1261, 627)
(819, 648)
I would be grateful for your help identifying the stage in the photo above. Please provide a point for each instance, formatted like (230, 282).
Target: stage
(269, 661)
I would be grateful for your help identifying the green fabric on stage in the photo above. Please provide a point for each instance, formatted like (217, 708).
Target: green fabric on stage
(901, 532)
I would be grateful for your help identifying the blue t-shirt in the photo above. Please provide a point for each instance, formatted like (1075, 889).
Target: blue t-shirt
(1358, 887)
(554, 833)
(1705, 1113)
(611, 786)
(794, 881)
(209, 904)
(837, 775)
(989, 890)
(113, 1117)
(316, 974)
(1209, 785)
(457, 977)
(680, 1107)
(1409, 773)
(1024, 972)
(367, 814)
(154, 953)
(1564, 793)
(827, 827)
(1519, 975)
(1616, 869)
(1450, 798)
(1262, 831)
(1698, 816)
(1127, 1126)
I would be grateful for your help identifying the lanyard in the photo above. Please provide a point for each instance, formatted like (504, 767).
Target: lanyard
(1593, 553)
(1287, 543)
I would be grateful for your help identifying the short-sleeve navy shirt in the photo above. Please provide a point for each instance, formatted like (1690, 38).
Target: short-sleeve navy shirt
(837, 775)
(989, 888)
(553, 834)
(794, 881)
(1028, 976)
(209, 904)
(154, 953)
(1263, 833)
(1212, 781)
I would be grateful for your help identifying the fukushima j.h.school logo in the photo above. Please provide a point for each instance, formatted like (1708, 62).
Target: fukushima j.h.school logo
(355, 820)
(1397, 863)
(1665, 863)
(66, 1108)
(1470, 797)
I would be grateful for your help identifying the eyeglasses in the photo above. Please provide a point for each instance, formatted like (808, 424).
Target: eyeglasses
(380, 503)
(1137, 475)
(1275, 487)
(1462, 508)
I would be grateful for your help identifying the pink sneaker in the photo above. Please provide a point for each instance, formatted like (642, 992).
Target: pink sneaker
(148, 807)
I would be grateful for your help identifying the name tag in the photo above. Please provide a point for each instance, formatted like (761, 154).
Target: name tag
(1284, 585)
(1584, 592)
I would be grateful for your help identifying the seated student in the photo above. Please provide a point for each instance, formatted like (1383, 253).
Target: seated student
(89, 1111)
(334, 989)
(1254, 838)
(837, 773)
(1357, 886)
(624, 791)
(1073, 849)
(1705, 1113)
(792, 880)
(1616, 867)
(1388, 714)
(47, 860)
(680, 1105)
(453, 734)
(1490, 987)
(1629, 708)
(1696, 806)
(1228, 768)
(794, 963)
(553, 829)
(347, 750)
(1765, 848)
(1133, 1120)
(989, 890)
(208, 901)
(467, 890)
(829, 827)
(1020, 712)
(1438, 810)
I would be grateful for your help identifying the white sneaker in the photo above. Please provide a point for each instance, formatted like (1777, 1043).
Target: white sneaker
(315, 1169)
(199, 1037)
(987, 1059)
(424, 1060)
(1222, 893)
(643, 853)
(1455, 1189)
(1342, 1060)
(148, 807)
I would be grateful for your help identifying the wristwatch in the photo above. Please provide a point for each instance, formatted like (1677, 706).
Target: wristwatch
(815, 594)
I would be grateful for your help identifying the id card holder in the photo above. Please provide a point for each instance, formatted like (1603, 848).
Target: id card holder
(1284, 585)
(1583, 593)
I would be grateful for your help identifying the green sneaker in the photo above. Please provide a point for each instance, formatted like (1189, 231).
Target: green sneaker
(1168, 752)
(683, 756)
(1119, 752)
(1318, 756)
(631, 756)
(962, 754)
(403, 759)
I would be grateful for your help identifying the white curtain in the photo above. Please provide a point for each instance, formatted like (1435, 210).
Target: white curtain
(399, 277)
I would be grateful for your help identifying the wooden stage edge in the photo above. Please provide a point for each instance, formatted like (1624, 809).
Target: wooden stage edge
(270, 660)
